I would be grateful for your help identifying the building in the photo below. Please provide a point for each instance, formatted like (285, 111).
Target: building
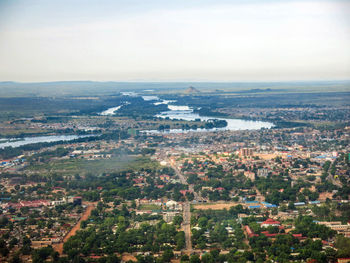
(173, 205)
(263, 172)
(270, 222)
(249, 175)
(246, 152)
(169, 216)
(250, 232)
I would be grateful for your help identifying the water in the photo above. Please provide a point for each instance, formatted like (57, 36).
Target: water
(148, 98)
(183, 112)
(131, 93)
(110, 111)
(164, 102)
(187, 114)
(16, 142)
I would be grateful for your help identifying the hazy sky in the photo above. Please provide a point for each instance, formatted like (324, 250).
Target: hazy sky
(180, 40)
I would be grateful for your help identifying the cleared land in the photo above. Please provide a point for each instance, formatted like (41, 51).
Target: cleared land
(84, 166)
(214, 206)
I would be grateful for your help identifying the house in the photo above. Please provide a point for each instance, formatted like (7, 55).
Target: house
(184, 192)
(250, 232)
(173, 205)
(270, 222)
(169, 216)
(263, 172)
(164, 178)
(249, 175)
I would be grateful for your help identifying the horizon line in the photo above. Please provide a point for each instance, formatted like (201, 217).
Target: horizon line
(177, 81)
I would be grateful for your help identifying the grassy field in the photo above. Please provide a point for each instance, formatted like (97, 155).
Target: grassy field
(149, 207)
(83, 166)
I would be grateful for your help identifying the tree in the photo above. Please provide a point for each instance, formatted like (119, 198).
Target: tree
(3, 248)
(177, 220)
(192, 178)
(343, 245)
(291, 206)
(16, 259)
(40, 255)
(167, 255)
(203, 222)
(207, 258)
(195, 259)
(180, 240)
(185, 258)
(331, 254)
(189, 196)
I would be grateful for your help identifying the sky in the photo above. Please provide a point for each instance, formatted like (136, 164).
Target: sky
(182, 40)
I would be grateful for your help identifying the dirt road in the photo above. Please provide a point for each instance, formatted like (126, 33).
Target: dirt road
(59, 246)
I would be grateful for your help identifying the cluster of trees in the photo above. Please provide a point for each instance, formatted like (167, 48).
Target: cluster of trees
(117, 185)
(109, 232)
(285, 247)
(273, 184)
(139, 108)
(217, 178)
(210, 227)
(9, 152)
(47, 155)
(305, 225)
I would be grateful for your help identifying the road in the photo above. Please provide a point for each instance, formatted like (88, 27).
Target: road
(59, 246)
(186, 224)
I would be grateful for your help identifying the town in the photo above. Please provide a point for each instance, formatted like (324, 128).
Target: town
(184, 131)
(208, 196)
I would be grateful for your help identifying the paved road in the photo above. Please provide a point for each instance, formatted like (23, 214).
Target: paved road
(186, 224)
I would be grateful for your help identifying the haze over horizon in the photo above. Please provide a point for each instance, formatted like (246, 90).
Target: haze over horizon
(185, 41)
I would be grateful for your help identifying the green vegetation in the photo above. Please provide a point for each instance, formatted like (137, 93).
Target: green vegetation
(83, 166)
(149, 207)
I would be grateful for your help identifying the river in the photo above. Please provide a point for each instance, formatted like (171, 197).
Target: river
(184, 112)
(16, 142)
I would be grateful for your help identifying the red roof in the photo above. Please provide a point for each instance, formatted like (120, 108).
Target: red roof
(185, 191)
(270, 221)
(266, 233)
(250, 232)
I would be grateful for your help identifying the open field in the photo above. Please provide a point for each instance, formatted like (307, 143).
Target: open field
(21, 131)
(214, 206)
(126, 257)
(149, 207)
(83, 166)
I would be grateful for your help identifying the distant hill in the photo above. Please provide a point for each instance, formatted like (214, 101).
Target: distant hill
(192, 90)
(96, 88)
